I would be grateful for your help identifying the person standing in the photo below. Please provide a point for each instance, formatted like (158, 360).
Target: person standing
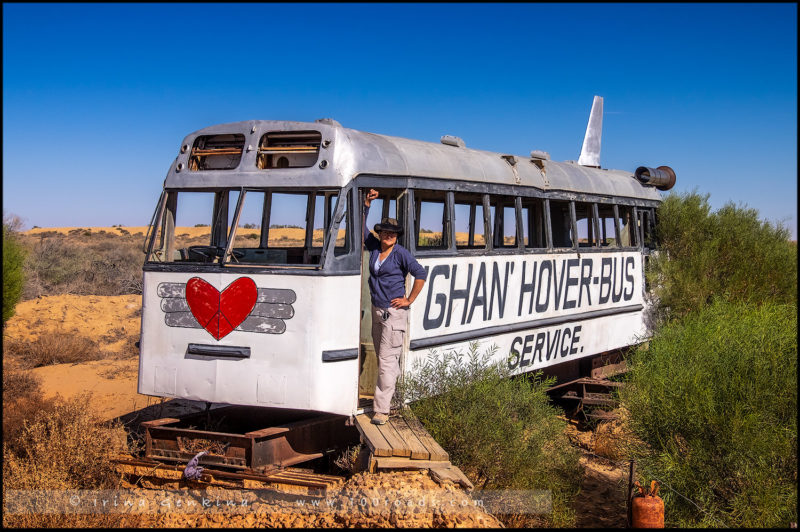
(389, 264)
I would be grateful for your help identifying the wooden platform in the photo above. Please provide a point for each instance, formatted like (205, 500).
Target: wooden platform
(405, 444)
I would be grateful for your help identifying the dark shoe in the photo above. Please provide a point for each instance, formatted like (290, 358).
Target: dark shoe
(379, 419)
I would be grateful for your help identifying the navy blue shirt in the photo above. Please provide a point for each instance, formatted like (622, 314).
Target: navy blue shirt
(389, 282)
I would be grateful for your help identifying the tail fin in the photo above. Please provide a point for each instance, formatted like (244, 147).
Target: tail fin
(590, 152)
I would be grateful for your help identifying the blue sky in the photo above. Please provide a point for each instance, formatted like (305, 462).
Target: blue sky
(96, 98)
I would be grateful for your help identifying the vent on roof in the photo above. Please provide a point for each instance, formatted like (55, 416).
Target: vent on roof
(328, 121)
(450, 140)
(288, 149)
(539, 154)
(216, 152)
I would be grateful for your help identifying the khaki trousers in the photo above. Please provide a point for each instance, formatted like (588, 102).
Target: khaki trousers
(388, 337)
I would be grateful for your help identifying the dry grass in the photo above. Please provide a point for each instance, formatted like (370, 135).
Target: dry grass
(82, 262)
(55, 445)
(49, 349)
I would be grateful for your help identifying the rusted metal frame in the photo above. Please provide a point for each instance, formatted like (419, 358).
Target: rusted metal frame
(548, 224)
(488, 230)
(168, 231)
(234, 225)
(617, 226)
(520, 237)
(197, 152)
(448, 222)
(263, 241)
(277, 445)
(574, 223)
(596, 223)
(288, 149)
(471, 229)
(219, 217)
(155, 222)
(274, 475)
(310, 207)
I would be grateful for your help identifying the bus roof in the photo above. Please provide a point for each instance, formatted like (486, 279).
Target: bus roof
(351, 153)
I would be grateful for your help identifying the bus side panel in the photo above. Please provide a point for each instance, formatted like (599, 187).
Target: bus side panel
(595, 301)
(534, 349)
(283, 332)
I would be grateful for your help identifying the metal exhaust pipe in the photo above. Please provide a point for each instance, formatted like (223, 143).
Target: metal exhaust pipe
(663, 177)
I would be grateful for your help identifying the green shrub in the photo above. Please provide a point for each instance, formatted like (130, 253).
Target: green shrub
(728, 254)
(501, 431)
(714, 398)
(13, 274)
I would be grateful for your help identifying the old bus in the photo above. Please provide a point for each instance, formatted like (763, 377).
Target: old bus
(254, 284)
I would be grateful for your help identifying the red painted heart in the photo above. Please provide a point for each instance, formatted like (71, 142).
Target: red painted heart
(221, 312)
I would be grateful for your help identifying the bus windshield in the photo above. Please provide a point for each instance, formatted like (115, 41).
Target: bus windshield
(247, 227)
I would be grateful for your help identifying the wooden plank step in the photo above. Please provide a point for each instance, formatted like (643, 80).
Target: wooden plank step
(399, 447)
(373, 437)
(435, 450)
(418, 450)
(450, 472)
(392, 462)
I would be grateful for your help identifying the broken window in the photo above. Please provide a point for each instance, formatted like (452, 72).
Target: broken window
(533, 223)
(288, 149)
(271, 227)
(627, 226)
(504, 221)
(216, 152)
(470, 229)
(561, 224)
(608, 228)
(430, 216)
(584, 219)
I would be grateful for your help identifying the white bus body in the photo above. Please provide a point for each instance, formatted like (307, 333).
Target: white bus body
(543, 260)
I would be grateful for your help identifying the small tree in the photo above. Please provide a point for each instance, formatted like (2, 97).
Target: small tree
(728, 254)
(13, 277)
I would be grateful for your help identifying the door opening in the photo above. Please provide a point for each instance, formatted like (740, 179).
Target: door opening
(383, 207)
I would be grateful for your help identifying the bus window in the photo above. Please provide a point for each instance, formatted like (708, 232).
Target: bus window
(584, 218)
(533, 223)
(504, 221)
(608, 229)
(273, 227)
(341, 229)
(385, 206)
(646, 227)
(561, 223)
(194, 226)
(627, 226)
(430, 218)
(288, 149)
(469, 221)
(216, 152)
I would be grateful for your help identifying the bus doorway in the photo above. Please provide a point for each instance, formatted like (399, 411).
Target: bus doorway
(386, 206)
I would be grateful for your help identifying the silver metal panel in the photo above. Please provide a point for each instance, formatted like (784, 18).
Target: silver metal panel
(352, 152)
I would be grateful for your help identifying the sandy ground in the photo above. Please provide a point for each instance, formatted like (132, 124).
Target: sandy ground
(114, 323)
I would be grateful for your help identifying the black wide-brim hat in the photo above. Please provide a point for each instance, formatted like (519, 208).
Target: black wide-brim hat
(389, 224)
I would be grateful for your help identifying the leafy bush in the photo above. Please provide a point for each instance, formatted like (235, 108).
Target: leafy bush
(13, 274)
(714, 397)
(729, 254)
(501, 431)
